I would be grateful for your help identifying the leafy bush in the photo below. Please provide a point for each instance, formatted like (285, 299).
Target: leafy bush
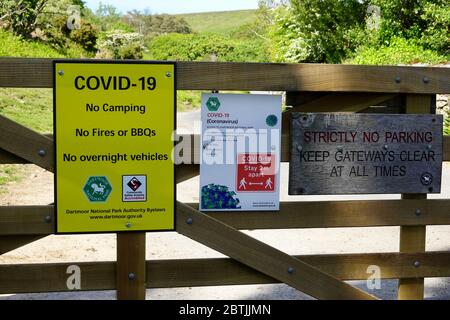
(118, 44)
(317, 31)
(427, 21)
(153, 25)
(21, 18)
(206, 47)
(399, 51)
(86, 36)
(447, 125)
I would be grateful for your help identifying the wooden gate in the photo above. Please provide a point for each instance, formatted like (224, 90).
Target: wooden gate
(310, 88)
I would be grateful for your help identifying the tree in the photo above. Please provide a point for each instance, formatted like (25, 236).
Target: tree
(317, 31)
(21, 17)
(153, 25)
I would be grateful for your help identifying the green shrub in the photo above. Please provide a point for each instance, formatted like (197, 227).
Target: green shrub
(317, 31)
(447, 125)
(117, 44)
(399, 51)
(206, 47)
(85, 36)
(427, 21)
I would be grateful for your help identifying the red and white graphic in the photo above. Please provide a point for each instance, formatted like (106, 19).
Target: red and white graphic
(255, 172)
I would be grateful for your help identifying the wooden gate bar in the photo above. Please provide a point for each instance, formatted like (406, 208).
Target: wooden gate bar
(26, 143)
(131, 266)
(262, 257)
(37, 73)
(187, 171)
(413, 239)
(173, 273)
(38, 220)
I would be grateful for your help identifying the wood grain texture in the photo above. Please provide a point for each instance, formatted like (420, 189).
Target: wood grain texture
(413, 239)
(262, 257)
(37, 73)
(31, 220)
(26, 143)
(131, 266)
(52, 277)
(223, 271)
(320, 166)
(191, 171)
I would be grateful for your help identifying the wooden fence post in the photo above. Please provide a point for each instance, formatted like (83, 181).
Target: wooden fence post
(131, 266)
(413, 238)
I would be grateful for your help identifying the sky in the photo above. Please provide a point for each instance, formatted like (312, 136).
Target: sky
(176, 6)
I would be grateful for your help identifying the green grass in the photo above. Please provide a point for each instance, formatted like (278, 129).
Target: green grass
(12, 46)
(29, 107)
(223, 22)
(10, 173)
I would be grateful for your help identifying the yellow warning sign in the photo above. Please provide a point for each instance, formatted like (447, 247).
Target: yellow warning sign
(114, 123)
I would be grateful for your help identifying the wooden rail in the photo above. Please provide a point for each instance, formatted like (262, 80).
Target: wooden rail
(21, 278)
(9, 158)
(37, 73)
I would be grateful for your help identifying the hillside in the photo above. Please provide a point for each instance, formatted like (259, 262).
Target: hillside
(223, 22)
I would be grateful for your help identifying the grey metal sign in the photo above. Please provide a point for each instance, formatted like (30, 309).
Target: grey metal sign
(343, 153)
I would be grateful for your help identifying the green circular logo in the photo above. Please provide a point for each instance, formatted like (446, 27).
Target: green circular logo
(213, 104)
(271, 120)
(97, 188)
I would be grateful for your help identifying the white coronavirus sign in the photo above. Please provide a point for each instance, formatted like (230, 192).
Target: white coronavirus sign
(240, 152)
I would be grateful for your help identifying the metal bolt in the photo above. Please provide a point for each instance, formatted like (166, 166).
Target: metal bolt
(429, 146)
(340, 148)
(48, 219)
(299, 148)
(290, 270)
(131, 276)
(168, 74)
(418, 212)
(189, 221)
(386, 146)
(425, 80)
(61, 73)
(416, 264)
(398, 79)
(42, 152)
(128, 225)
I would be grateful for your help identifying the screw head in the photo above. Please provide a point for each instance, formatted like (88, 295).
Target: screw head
(425, 80)
(386, 147)
(61, 72)
(416, 264)
(48, 219)
(42, 152)
(128, 225)
(168, 74)
(131, 276)
(339, 148)
(398, 79)
(189, 221)
(429, 147)
(290, 270)
(299, 148)
(418, 212)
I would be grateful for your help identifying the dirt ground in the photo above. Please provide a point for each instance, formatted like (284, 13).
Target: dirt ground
(37, 188)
